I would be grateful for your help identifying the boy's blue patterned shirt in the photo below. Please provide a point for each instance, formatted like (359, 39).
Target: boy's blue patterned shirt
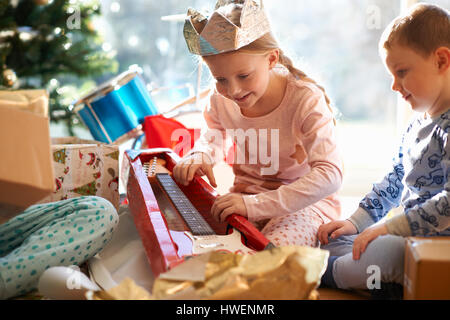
(420, 173)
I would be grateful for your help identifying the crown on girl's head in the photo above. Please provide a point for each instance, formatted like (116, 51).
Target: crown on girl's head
(217, 34)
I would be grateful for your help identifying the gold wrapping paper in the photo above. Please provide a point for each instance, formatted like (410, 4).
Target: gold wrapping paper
(284, 273)
(126, 290)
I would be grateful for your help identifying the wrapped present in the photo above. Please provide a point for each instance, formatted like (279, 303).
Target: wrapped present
(427, 266)
(34, 101)
(162, 132)
(85, 168)
(26, 172)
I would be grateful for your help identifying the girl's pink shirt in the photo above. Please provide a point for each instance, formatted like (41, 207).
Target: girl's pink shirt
(310, 167)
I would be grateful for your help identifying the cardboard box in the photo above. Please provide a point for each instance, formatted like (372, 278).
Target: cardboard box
(35, 101)
(427, 268)
(26, 171)
(84, 168)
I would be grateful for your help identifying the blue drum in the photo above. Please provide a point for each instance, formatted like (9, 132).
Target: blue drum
(115, 111)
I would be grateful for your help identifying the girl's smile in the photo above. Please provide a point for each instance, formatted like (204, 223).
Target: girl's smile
(248, 80)
(243, 98)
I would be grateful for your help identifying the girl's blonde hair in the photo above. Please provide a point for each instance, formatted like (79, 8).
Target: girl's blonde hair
(425, 28)
(265, 44)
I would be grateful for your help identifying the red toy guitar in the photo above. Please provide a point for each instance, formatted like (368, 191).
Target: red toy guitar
(174, 220)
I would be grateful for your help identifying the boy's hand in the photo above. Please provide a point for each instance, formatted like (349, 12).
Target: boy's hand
(363, 239)
(228, 204)
(335, 229)
(195, 163)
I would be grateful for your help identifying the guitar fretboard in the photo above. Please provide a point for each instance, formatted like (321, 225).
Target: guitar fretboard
(191, 216)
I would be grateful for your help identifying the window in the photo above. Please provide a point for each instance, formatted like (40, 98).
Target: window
(150, 34)
(337, 43)
(442, 3)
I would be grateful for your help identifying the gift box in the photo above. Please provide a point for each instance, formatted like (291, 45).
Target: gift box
(162, 132)
(84, 168)
(26, 171)
(35, 101)
(427, 268)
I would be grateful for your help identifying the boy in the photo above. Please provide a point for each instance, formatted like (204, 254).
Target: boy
(416, 52)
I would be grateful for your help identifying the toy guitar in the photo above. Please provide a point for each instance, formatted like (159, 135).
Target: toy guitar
(174, 221)
(201, 235)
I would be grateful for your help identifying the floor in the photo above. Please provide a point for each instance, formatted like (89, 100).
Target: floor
(324, 294)
(336, 294)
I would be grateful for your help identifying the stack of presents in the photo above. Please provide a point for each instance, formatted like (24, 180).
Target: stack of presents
(36, 168)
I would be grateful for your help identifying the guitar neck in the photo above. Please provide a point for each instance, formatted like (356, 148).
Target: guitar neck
(188, 212)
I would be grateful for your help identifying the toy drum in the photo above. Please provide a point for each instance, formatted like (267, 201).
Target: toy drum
(114, 112)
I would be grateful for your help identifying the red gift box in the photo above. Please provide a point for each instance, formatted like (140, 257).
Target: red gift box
(162, 132)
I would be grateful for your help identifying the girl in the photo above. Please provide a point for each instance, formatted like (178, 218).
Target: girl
(62, 233)
(266, 104)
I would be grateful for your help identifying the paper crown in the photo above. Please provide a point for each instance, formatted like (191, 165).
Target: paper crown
(217, 34)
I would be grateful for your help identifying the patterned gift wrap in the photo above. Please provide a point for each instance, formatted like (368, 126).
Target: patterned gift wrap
(84, 168)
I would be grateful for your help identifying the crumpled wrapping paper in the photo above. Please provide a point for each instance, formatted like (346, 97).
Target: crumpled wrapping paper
(126, 290)
(283, 273)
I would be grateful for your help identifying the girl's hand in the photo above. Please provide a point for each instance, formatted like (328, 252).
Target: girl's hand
(335, 229)
(363, 239)
(195, 163)
(228, 204)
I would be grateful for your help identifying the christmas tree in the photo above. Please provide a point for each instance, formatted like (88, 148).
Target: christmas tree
(52, 44)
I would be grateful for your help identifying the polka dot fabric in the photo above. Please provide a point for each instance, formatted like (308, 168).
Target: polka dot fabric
(298, 228)
(61, 233)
